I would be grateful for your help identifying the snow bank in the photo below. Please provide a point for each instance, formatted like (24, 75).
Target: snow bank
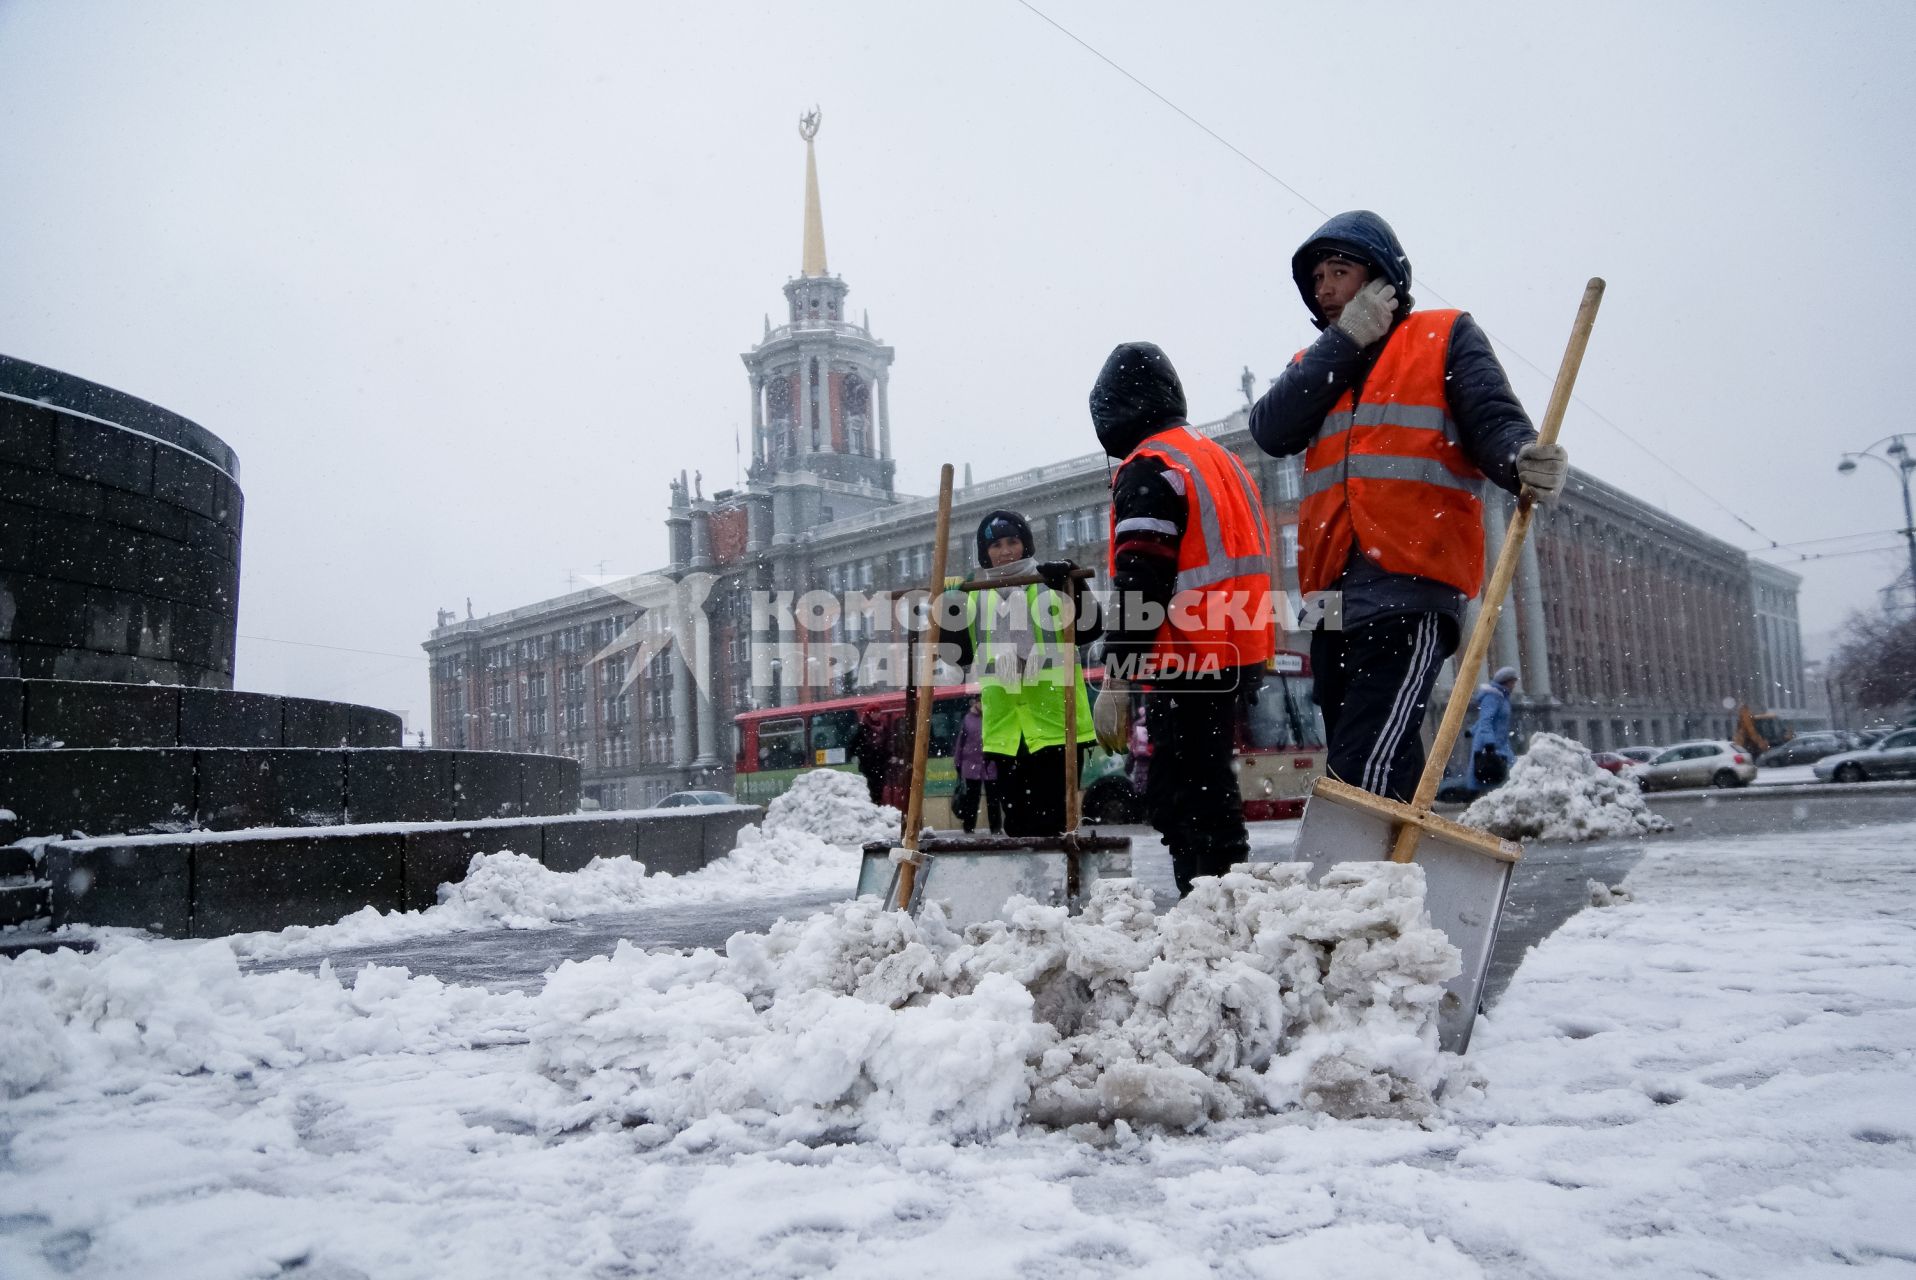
(1557, 792)
(808, 843)
(1260, 992)
(836, 807)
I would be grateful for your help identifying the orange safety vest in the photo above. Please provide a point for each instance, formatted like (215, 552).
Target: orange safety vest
(1221, 614)
(1388, 474)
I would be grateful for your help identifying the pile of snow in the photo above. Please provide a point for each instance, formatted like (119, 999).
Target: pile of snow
(1557, 792)
(1259, 992)
(809, 843)
(836, 807)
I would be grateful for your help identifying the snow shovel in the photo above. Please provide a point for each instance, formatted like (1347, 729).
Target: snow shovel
(975, 875)
(1466, 871)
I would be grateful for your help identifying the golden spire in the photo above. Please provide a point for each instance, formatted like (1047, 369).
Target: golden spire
(814, 220)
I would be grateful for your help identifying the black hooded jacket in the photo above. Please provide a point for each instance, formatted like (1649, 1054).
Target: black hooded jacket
(1137, 395)
(1491, 422)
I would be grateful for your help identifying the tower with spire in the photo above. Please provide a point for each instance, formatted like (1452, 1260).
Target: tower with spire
(819, 385)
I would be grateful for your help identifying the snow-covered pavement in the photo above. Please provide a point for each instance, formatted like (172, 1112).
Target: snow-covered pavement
(1711, 1079)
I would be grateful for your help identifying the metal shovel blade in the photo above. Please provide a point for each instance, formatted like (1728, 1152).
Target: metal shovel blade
(1466, 876)
(973, 877)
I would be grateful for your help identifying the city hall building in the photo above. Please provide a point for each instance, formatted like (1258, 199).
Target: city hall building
(1628, 625)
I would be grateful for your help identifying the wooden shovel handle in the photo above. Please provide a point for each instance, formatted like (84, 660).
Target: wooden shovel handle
(1070, 638)
(921, 727)
(1022, 580)
(1492, 604)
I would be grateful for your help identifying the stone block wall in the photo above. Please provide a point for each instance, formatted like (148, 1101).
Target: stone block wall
(204, 885)
(119, 536)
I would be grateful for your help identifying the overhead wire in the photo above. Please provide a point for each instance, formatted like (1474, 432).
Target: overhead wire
(337, 648)
(1835, 537)
(1892, 548)
(1514, 352)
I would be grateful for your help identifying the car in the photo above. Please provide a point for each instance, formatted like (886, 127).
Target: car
(1612, 761)
(1893, 757)
(1707, 762)
(1806, 748)
(1638, 755)
(687, 799)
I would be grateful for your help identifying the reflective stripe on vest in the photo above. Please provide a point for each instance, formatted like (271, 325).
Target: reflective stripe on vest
(1215, 567)
(1389, 466)
(1224, 556)
(1388, 476)
(1391, 414)
(1022, 711)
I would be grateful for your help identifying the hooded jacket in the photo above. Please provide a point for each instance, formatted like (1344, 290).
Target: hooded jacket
(1137, 395)
(1491, 703)
(1362, 235)
(1491, 424)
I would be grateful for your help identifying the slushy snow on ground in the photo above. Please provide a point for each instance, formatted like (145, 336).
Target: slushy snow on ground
(1709, 1080)
(808, 842)
(1556, 792)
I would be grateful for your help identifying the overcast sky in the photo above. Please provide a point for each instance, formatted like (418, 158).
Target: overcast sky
(464, 283)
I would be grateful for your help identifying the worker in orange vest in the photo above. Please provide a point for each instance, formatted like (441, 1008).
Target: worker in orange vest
(1191, 615)
(1401, 416)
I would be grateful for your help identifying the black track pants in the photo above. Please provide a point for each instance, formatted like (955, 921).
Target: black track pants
(1191, 794)
(1373, 683)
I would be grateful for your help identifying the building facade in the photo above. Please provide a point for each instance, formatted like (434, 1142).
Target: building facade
(1628, 626)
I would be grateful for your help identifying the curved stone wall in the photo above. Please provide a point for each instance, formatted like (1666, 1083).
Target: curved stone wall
(51, 714)
(119, 536)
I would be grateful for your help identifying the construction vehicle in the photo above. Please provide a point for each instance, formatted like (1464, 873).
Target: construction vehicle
(1758, 731)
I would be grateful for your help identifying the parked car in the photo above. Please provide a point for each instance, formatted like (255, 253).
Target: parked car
(1638, 755)
(1893, 757)
(1704, 763)
(1807, 748)
(1611, 761)
(686, 799)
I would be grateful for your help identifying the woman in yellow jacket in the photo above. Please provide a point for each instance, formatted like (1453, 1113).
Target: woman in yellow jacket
(1011, 638)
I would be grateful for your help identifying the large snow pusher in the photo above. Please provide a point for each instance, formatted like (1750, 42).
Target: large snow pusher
(1466, 871)
(972, 876)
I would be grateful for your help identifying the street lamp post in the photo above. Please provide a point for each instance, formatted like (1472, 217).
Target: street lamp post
(1902, 465)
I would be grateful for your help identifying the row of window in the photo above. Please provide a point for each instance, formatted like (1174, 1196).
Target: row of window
(1081, 528)
(579, 638)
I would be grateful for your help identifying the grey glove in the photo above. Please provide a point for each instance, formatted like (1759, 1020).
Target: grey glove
(1111, 715)
(1543, 468)
(1366, 317)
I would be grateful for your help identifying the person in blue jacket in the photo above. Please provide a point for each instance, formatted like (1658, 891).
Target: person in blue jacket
(1490, 753)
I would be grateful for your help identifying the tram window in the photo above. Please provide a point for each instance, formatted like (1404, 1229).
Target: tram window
(781, 744)
(1283, 715)
(1305, 714)
(833, 736)
(946, 715)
